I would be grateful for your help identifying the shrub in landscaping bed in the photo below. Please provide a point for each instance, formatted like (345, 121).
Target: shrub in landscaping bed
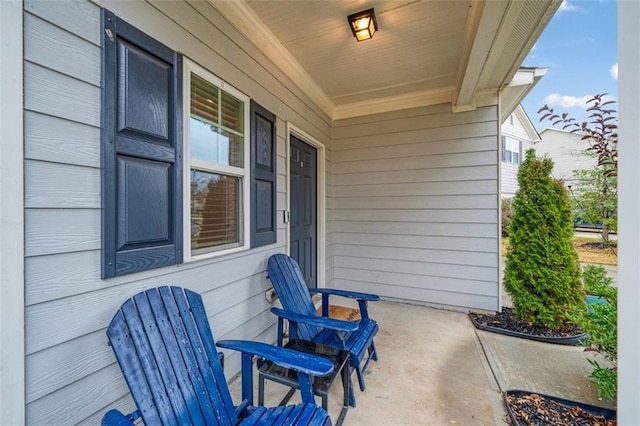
(542, 273)
(602, 326)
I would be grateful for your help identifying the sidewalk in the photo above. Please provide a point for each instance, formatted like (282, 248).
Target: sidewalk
(541, 367)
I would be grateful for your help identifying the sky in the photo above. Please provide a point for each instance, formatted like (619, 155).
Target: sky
(579, 46)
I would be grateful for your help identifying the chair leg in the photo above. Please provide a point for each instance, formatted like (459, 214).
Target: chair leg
(360, 377)
(373, 353)
(352, 394)
(260, 390)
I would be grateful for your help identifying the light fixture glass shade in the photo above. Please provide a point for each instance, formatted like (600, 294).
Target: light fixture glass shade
(363, 24)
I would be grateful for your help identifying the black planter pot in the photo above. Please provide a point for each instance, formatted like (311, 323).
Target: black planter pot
(574, 340)
(591, 409)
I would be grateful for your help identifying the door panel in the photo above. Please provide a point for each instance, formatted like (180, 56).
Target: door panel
(303, 202)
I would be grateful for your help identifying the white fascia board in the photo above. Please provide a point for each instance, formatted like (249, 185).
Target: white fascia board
(527, 76)
(495, 30)
(517, 89)
(247, 22)
(487, 31)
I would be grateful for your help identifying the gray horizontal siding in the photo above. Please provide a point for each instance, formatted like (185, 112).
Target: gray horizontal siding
(58, 276)
(509, 180)
(80, 18)
(456, 174)
(61, 185)
(71, 374)
(474, 165)
(474, 244)
(57, 140)
(477, 187)
(41, 38)
(509, 171)
(414, 211)
(52, 93)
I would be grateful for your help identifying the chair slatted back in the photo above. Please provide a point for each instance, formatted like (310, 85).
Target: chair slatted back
(166, 351)
(287, 279)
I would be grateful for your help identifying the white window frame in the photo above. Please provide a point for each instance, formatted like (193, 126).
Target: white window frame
(243, 172)
(508, 143)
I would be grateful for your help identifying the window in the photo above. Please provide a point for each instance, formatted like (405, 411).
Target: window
(216, 177)
(178, 180)
(510, 150)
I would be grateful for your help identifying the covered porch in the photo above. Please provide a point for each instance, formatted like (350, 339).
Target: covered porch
(407, 131)
(435, 368)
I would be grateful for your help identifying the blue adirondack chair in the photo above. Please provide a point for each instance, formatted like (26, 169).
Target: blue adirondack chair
(305, 323)
(163, 343)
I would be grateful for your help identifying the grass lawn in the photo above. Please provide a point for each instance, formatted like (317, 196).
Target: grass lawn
(590, 250)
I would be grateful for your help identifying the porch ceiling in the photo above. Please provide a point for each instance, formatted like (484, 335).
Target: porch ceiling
(425, 51)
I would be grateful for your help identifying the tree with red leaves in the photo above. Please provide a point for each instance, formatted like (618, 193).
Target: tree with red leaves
(595, 200)
(600, 131)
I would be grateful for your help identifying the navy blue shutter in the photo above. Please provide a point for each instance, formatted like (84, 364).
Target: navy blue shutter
(263, 176)
(141, 151)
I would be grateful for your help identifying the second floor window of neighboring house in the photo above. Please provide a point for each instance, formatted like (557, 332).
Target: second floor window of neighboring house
(511, 150)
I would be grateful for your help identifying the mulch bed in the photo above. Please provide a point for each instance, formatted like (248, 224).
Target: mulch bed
(508, 321)
(534, 409)
(600, 245)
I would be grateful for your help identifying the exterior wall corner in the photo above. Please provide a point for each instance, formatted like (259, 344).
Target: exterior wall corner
(12, 361)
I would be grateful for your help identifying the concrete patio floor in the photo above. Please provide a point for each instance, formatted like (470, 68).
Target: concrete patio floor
(436, 369)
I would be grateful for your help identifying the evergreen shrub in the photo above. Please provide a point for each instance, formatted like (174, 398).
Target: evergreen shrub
(542, 273)
(602, 327)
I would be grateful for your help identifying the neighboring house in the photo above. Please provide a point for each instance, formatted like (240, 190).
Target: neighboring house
(518, 136)
(185, 142)
(567, 152)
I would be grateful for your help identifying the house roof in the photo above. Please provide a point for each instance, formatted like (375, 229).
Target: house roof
(424, 52)
(527, 125)
(554, 129)
(515, 91)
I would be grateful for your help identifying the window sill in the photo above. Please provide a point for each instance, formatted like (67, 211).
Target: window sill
(214, 254)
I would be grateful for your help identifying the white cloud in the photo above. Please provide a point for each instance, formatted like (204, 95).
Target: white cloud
(614, 71)
(567, 7)
(556, 99)
(534, 48)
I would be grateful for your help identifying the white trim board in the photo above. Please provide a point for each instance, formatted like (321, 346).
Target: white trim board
(12, 353)
(321, 195)
(628, 211)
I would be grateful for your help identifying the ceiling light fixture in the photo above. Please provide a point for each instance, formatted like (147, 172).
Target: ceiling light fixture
(363, 24)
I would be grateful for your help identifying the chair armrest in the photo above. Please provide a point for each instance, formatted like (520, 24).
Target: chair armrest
(287, 358)
(346, 293)
(306, 365)
(363, 299)
(330, 323)
(116, 418)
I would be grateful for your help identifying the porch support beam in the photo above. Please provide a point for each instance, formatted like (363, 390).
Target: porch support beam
(504, 34)
(482, 29)
(12, 353)
(629, 212)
